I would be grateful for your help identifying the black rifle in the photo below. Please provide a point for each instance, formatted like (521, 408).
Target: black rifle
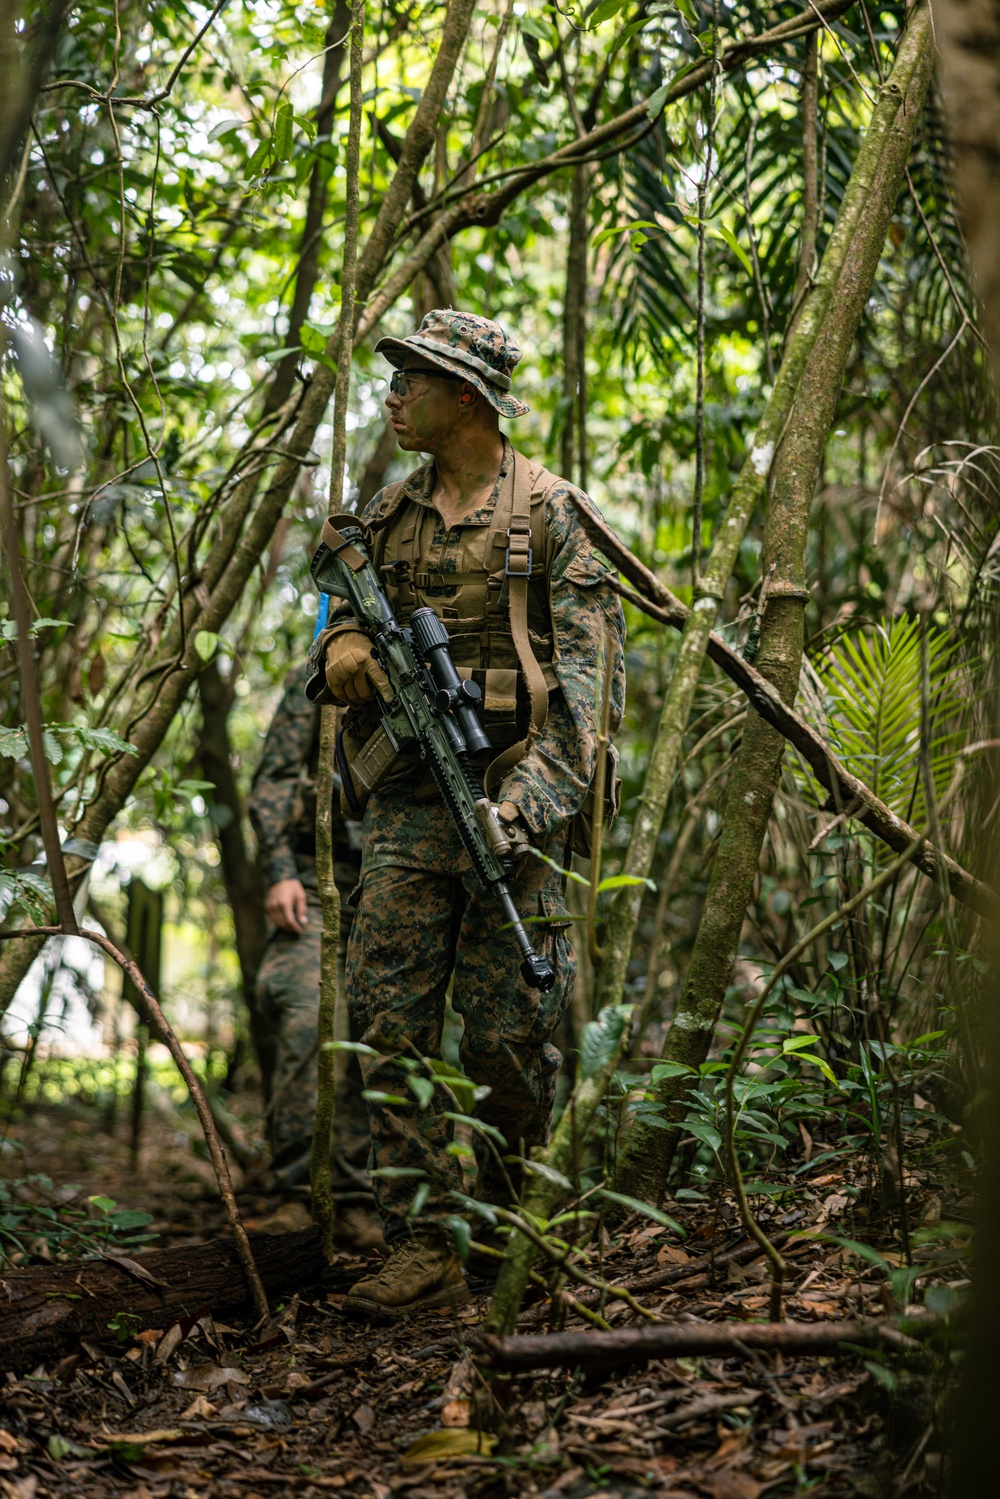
(427, 708)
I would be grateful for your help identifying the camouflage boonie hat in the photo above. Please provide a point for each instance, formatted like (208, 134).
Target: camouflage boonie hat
(463, 344)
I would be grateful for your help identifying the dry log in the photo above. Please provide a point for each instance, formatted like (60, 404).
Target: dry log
(602, 1351)
(46, 1310)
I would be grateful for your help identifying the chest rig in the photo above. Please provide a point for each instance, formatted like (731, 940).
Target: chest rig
(491, 594)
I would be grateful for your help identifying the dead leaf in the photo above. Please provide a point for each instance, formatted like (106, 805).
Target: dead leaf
(672, 1254)
(456, 1413)
(200, 1409)
(364, 1419)
(20, 1488)
(209, 1377)
(133, 1268)
(733, 1485)
(450, 1441)
(8, 1442)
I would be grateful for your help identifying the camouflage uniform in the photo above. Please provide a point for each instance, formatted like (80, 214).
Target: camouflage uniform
(420, 923)
(283, 812)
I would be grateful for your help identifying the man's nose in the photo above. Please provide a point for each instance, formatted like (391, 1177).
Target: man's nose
(392, 401)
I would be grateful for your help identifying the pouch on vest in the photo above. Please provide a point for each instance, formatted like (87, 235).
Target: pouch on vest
(363, 762)
(581, 828)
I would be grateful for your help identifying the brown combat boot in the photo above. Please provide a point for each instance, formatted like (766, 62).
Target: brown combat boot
(418, 1274)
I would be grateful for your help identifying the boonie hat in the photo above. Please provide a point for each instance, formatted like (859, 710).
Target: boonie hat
(461, 343)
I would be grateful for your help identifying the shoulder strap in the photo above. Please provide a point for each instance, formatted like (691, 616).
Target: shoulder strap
(514, 505)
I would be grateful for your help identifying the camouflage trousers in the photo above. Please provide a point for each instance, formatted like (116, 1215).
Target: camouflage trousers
(288, 994)
(419, 927)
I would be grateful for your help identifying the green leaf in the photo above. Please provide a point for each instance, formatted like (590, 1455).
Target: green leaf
(703, 1131)
(103, 1204)
(461, 1233)
(105, 740)
(374, 1096)
(13, 743)
(665, 1070)
(480, 1126)
(656, 101)
(602, 1039)
(422, 1087)
(284, 132)
(863, 1251)
(722, 232)
(540, 29)
(224, 127)
(549, 1174)
(635, 1205)
(205, 643)
(606, 234)
(604, 11)
(397, 1173)
(824, 1067)
(620, 881)
(259, 161)
(796, 1043)
(420, 1197)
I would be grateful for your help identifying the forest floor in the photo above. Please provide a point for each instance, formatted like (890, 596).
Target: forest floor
(315, 1402)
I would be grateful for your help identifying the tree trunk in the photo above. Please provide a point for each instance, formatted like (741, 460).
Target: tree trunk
(968, 37)
(892, 118)
(244, 886)
(644, 1164)
(574, 435)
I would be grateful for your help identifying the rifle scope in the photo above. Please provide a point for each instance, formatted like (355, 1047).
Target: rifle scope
(431, 640)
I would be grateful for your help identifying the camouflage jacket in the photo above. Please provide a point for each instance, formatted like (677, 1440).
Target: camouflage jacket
(549, 785)
(282, 803)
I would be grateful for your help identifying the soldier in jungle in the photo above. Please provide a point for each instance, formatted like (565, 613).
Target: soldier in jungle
(283, 812)
(493, 544)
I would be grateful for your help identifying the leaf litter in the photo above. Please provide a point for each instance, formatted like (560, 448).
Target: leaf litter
(314, 1403)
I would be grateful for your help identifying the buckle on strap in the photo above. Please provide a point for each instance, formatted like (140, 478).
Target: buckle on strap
(519, 558)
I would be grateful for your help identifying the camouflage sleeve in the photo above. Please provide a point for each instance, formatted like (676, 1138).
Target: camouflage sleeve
(276, 790)
(550, 784)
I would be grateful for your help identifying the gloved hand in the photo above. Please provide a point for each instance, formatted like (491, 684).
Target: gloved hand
(509, 816)
(351, 670)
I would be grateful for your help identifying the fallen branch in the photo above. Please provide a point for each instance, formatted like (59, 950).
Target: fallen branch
(845, 789)
(46, 1310)
(219, 1162)
(602, 1351)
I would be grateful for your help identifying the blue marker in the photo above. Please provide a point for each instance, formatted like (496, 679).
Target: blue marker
(322, 613)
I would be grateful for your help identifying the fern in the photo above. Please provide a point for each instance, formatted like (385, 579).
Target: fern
(871, 679)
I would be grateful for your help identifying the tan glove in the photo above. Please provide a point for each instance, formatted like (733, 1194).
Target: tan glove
(351, 670)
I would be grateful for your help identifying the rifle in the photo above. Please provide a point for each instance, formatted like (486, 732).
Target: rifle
(428, 708)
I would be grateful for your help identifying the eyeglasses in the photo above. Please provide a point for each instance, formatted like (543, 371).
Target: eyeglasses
(401, 381)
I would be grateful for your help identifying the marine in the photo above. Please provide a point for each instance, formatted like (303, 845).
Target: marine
(282, 809)
(493, 544)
